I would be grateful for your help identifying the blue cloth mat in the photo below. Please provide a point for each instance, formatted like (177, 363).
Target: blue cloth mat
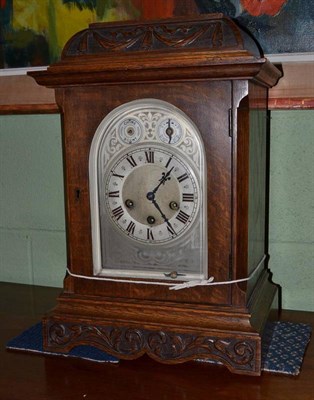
(283, 347)
(31, 340)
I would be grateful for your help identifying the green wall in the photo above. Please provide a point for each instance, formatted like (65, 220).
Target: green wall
(291, 231)
(32, 232)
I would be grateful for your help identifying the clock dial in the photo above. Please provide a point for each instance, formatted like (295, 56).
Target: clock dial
(151, 195)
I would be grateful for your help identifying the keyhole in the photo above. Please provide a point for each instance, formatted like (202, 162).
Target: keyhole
(77, 194)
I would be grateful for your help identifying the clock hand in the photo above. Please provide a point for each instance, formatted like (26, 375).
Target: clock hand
(165, 177)
(162, 215)
(169, 131)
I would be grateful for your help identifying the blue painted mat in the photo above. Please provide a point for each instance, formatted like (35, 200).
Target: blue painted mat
(283, 347)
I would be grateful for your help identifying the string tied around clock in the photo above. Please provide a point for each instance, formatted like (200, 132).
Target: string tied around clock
(210, 281)
(185, 285)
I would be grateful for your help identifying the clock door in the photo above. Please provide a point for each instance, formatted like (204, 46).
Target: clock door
(148, 194)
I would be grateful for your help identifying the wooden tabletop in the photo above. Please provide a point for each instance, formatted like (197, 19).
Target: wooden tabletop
(32, 377)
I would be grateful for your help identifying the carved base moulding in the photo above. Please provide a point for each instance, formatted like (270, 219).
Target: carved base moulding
(237, 354)
(168, 333)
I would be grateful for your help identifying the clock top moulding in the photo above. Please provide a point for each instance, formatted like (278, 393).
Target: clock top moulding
(205, 47)
(203, 61)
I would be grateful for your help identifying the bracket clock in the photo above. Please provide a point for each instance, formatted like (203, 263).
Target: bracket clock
(165, 142)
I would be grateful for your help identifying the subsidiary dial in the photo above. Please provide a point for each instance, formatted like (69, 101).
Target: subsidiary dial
(130, 130)
(169, 131)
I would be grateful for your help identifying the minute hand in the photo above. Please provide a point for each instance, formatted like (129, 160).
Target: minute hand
(162, 214)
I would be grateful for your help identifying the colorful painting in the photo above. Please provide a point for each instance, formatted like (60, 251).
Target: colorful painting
(280, 26)
(33, 32)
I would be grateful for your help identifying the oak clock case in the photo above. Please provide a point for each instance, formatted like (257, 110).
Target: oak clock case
(165, 150)
(148, 186)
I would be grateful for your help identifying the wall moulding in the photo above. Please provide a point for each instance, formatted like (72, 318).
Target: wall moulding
(295, 90)
(20, 94)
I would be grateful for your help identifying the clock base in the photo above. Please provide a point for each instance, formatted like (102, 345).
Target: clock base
(167, 332)
(240, 353)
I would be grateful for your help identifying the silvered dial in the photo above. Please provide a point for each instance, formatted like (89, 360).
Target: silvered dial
(148, 194)
(151, 195)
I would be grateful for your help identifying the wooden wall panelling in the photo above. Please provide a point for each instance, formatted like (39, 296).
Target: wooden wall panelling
(296, 89)
(20, 94)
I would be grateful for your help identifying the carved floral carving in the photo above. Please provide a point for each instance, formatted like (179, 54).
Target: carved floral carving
(163, 346)
(210, 34)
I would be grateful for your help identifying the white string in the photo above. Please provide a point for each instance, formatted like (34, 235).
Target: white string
(210, 281)
(102, 278)
(179, 286)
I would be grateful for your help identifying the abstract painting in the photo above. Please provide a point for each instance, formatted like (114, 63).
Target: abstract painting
(33, 32)
(280, 26)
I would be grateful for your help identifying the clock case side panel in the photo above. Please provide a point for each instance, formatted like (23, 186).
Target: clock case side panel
(250, 202)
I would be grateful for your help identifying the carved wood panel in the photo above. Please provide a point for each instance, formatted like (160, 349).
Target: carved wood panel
(239, 355)
(211, 34)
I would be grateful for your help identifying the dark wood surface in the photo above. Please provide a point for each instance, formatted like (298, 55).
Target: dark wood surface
(26, 376)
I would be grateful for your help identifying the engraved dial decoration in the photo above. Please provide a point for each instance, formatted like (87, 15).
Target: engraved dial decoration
(148, 194)
(151, 195)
